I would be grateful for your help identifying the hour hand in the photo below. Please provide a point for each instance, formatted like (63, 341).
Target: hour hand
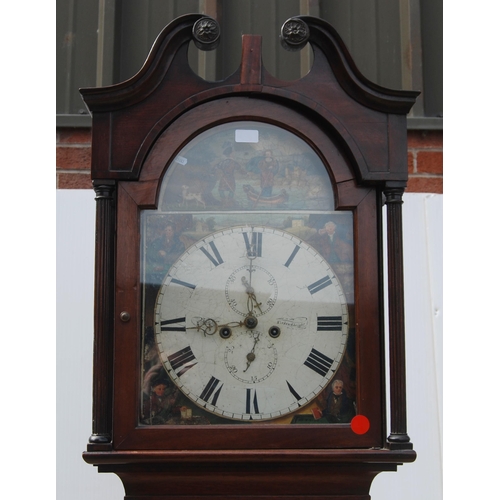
(209, 326)
(251, 299)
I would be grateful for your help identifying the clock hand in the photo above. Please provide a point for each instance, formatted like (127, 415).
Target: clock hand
(209, 326)
(251, 254)
(251, 299)
(251, 354)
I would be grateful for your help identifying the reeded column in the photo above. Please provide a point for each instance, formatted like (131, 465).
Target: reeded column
(103, 312)
(398, 438)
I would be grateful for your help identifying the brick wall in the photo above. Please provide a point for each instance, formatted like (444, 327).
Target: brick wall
(73, 158)
(425, 160)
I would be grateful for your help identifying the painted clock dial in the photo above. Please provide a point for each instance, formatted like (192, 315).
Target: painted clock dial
(251, 323)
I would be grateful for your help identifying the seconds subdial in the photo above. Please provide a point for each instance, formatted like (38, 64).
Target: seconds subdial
(251, 357)
(260, 299)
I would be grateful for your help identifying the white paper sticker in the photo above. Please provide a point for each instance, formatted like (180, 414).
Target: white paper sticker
(181, 160)
(241, 135)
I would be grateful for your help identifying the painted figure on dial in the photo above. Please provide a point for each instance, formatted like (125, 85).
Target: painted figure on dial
(268, 169)
(331, 245)
(163, 252)
(227, 183)
(339, 408)
(159, 396)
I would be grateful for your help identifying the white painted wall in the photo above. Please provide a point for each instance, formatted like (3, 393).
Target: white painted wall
(423, 250)
(421, 480)
(76, 480)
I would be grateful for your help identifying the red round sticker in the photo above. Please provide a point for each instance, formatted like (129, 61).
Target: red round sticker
(360, 424)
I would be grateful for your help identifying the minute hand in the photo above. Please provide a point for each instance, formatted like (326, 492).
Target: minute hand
(252, 299)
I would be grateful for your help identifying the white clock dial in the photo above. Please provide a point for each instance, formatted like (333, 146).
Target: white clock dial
(251, 323)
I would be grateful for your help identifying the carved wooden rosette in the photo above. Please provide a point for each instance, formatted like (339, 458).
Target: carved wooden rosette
(294, 34)
(206, 33)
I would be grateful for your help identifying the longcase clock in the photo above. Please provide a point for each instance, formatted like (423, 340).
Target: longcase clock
(239, 298)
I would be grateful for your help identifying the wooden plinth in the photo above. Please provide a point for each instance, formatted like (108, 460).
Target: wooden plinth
(258, 475)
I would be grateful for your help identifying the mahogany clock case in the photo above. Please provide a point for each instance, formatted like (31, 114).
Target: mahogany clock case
(356, 132)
